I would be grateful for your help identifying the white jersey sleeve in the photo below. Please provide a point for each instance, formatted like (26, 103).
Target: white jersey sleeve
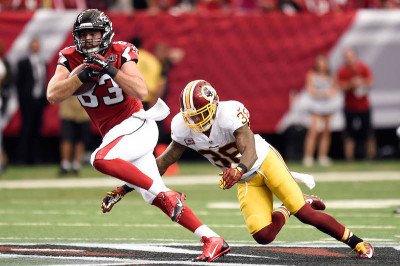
(233, 115)
(179, 130)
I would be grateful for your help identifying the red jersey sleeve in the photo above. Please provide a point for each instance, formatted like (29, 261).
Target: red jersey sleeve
(129, 52)
(341, 74)
(366, 71)
(69, 58)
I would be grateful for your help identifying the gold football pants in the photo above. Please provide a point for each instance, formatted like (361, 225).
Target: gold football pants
(256, 195)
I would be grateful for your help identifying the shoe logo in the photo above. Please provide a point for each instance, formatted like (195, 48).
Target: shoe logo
(212, 254)
(179, 202)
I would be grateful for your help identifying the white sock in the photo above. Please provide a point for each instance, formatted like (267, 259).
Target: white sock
(76, 165)
(66, 165)
(204, 230)
(157, 187)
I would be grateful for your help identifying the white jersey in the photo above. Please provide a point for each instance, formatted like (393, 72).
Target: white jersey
(220, 148)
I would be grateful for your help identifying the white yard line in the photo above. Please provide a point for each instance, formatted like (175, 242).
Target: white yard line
(228, 212)
(330, 204)
(155, 247)
(374, 227)
(116, 261)
(187, 180)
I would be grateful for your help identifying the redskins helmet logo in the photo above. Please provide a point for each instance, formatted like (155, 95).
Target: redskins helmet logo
(208, 93)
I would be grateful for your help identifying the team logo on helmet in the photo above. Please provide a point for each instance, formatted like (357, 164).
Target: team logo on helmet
(208, 92)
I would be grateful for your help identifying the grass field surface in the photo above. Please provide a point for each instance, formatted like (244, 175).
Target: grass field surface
(202, 167)
(69, 216)
(42, 215)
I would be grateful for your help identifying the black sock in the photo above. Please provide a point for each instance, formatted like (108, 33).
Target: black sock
(353, 241)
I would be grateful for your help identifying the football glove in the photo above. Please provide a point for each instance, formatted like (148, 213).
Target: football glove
(88, 74)
(98, 62)
(113, 197)
(230, 176)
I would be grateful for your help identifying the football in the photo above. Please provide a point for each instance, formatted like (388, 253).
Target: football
(85, 86)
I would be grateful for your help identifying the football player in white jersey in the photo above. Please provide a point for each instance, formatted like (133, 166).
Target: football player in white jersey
(114, 105)
(219, 130)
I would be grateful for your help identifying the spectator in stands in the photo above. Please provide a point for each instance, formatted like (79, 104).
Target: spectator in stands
(150, 6)
(154, 70)
(151, 69)
(386, 4)
(183, 6)
(397, 210)
(320, 7)
(101, 4)
(3, 76)
(75, 131)
(322, 88)
(31, 87)
(211, 5)
(5, 80)
(54, 4)
(355, 79)
(289, 7)
(168, 56)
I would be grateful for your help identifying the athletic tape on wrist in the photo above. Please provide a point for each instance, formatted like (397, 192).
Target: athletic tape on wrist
(112, 71)
(83, 76)
(244, 167)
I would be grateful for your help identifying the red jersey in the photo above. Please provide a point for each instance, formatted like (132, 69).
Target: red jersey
(107, 104)
(354, 102)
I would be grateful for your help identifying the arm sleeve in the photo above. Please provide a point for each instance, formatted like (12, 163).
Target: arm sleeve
(179, 130)
(130, 53)
(340, 75)
(63, 61)
(367, 71)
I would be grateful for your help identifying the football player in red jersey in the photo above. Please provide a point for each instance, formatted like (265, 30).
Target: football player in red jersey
(219, 130)
(114, 105)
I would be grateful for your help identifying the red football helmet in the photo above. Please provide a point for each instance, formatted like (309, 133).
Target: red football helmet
(198, 102)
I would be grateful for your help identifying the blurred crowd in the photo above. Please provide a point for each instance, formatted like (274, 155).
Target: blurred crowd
(322, 85)
(177, 7)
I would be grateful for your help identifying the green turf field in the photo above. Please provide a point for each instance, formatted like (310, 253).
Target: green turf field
(74, 214)
(202, 167)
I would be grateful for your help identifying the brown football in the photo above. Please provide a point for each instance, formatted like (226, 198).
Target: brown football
(85, 86)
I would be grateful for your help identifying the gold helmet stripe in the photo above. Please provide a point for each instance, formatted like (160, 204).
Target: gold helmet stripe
(186, 93)
(189, 89)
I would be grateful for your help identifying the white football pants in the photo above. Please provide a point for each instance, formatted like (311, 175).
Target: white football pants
(136, 146)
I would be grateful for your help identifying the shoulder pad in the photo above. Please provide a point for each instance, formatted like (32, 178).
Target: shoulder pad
(227, 113)
(179, 127)
(120, 46)
(68, 50)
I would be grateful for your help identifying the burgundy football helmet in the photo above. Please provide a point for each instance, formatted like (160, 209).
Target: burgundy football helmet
(198, 102)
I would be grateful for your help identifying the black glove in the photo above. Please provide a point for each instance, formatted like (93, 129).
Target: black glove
(98, 62)
(88, 74)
